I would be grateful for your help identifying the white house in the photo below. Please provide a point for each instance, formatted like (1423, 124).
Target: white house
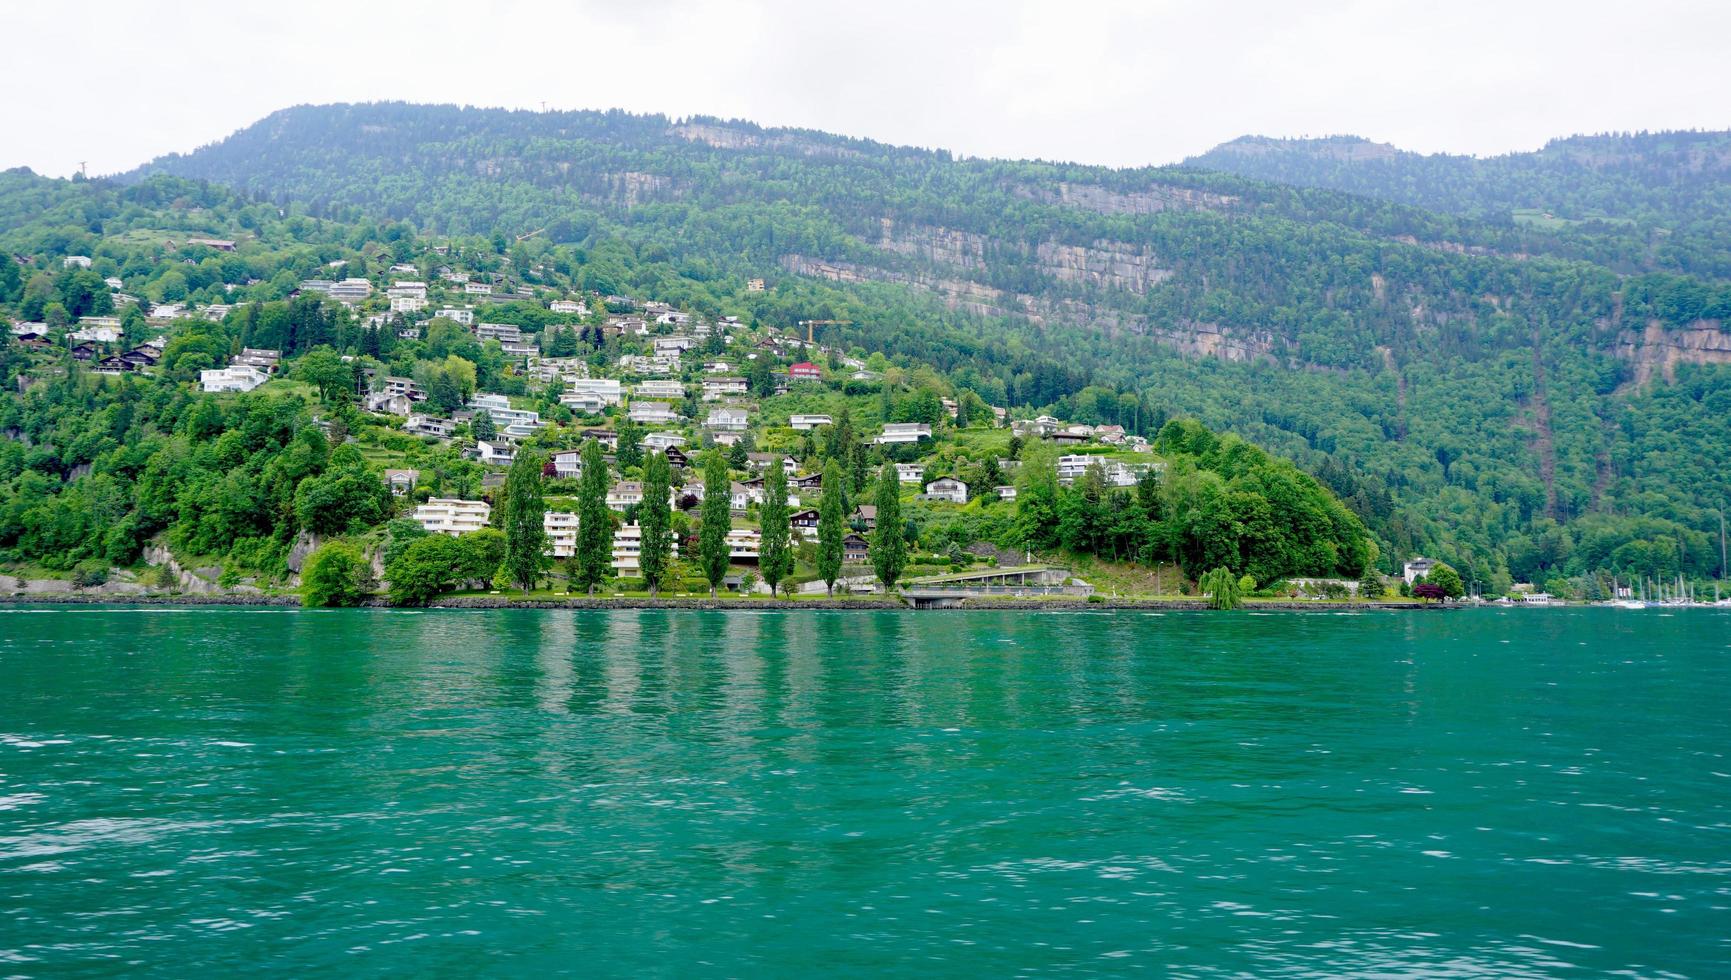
(608, 390)
(628, 550)
(672, 346)
(464, 316)
(401, 481)
(727, 419)
(723, 387)
(652, 412)
(477, 289)
(744, 544)
(561, 528)
(351, 290)
(947, 488)
(904, 432)
(1006, 492)
(568, 465)
(667, 388)
(411, 288)
(568, 306)
(625, 493)
(662, 441)
(496, 453)
(237, 377)
(910, 472)
(586, 402)
(1418, 568)
(428, 425)
(809, 421)
(408, 304)
(503, 332)
(445, 515)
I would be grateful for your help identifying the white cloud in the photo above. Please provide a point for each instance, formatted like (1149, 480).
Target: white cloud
(1102, 81)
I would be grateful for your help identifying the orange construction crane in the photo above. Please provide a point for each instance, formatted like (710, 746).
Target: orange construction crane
(810, 338)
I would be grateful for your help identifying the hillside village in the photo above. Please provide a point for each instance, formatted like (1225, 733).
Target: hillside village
(449, 373)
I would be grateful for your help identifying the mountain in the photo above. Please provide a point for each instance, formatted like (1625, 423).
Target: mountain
(1515, 397)
(1669, 191)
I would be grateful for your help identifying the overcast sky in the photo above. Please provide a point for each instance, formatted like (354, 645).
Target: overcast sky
(1119, 82)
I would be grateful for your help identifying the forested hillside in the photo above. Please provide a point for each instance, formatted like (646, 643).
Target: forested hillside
(1666, 193)
(1505, 395)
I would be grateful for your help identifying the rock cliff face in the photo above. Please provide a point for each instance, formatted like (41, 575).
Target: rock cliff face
(1158, 197)
(1655, 351)
(729, 138)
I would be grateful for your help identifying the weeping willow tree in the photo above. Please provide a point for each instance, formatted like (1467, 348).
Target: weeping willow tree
(1221, 587)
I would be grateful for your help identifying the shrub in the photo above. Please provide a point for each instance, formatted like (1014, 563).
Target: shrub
(337, 574)
(89, 573)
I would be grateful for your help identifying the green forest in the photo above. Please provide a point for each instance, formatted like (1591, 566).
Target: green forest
(1520, 401)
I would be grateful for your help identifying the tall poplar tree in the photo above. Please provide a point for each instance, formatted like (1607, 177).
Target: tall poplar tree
(775, 550)
(655, 522)
(889, 545)
(594, 523)
(831, 526)
(523, 517)
(717, 517)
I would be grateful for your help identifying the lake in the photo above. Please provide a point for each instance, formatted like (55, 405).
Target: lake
(187, 791)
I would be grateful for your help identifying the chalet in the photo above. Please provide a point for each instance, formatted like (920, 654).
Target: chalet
(804, 522)
(84, 352)
(947, 489)
(807, 422)
(266, 360)
(443, 515)
(855, 550)
(108, 365)
(811, 481)
(865, 515)
(910, 472)
(606, 437)
(1073, 434)
(897, 433)
(401, 482)
(804, 371)
(676, 456)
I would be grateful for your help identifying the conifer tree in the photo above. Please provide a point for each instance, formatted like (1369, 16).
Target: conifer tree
(717, 518)
(831, 526)
(594, 523)
(655, 522)
(522, 515)
(775, 551)
(889, 545)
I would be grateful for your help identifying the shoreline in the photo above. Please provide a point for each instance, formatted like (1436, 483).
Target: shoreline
(720, 604)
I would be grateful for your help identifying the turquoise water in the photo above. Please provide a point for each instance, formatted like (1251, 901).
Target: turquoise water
(1480, 793)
